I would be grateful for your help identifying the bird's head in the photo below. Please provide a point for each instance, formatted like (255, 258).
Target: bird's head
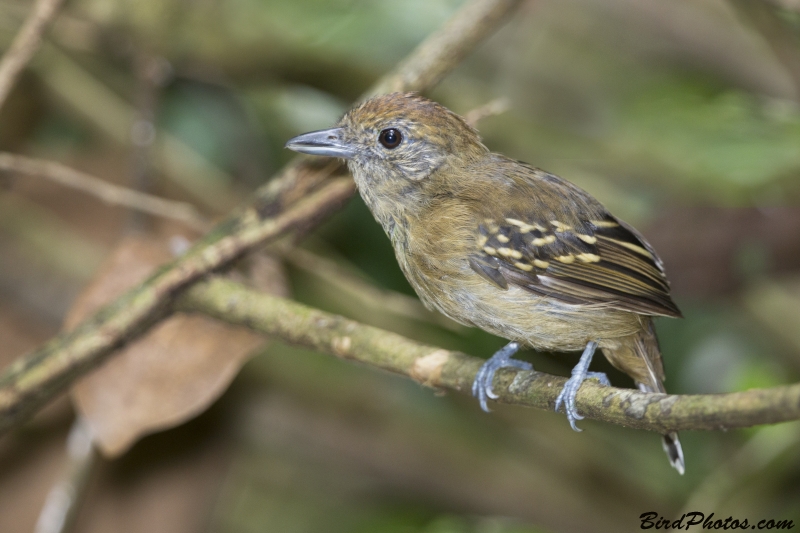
(398, 137)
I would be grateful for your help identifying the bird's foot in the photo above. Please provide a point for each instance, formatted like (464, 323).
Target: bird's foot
(482, 386)
(570, 391)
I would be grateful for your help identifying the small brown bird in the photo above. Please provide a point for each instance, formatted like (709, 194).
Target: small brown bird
(509, 248)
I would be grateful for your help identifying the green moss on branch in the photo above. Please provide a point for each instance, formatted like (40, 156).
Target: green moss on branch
(301, 325)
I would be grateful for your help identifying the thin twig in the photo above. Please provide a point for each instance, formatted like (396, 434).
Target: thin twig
(302, 195)
(152, 72)
(435, 367)
(489, 109)
(25, 44)
(780, 36)
(360, 289)
(80, 89)
(108, 192)
(446, 48)
(64, 500)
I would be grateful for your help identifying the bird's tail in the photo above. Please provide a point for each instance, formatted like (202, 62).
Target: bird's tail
(641, 359)
(670, 442)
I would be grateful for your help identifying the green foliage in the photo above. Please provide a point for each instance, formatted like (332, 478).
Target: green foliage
(725, 145)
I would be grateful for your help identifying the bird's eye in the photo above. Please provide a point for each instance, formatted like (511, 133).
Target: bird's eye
(390, 138)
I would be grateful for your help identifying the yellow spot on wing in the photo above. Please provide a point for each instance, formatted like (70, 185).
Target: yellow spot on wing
(502, 238)
(541, 264)
(630, 246)
(544, 240)
(589, 258)
(604, 224)
(588, 239)
(566, 259)
(560, 226)
(482, 240)
(509, 252)
(523, 266)
(489, 250)
(524, 227)
(515, 222)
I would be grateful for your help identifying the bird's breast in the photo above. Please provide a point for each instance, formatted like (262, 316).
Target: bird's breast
(434, 255)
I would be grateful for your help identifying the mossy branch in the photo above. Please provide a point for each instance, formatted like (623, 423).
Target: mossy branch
(25, 44)
(298, 324)
(301, 195)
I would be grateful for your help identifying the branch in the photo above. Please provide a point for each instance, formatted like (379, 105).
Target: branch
(497, 106)
(446, 48)
(25, 44)
(298, 324)
(304, 193)
(365, 293)
(781, 37)
(108, 192)
(63, 502)
(80, 89)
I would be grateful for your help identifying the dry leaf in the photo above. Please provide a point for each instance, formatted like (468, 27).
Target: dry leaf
(168, 376)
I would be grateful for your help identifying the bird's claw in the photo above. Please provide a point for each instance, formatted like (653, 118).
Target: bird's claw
(570, 392)
(567, 398)
(482, 386)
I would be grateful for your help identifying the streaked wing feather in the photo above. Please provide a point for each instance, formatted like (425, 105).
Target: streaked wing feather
(602, 262)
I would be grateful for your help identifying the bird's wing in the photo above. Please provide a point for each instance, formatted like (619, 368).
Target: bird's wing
(599, 260)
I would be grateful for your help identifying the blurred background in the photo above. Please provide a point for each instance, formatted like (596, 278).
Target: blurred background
(682, 116)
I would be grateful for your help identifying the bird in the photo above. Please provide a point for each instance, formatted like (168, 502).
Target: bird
(509, 248)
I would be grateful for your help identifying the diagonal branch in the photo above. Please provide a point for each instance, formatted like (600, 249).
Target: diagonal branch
(300, 196)
(107, 192)
(25, 44)
(298, 324)
(765, 18)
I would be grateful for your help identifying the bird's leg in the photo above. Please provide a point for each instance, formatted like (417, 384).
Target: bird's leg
(482, 386)
(570, 390)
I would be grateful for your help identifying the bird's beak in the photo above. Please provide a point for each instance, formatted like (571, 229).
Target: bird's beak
(322, 142)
